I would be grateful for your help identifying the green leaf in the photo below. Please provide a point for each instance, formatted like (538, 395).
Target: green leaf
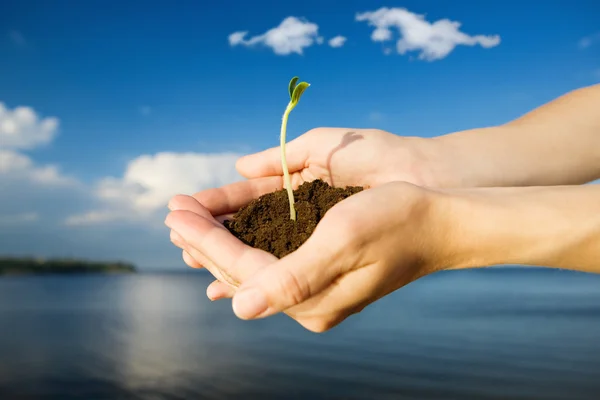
(292, 85)
(298, 90)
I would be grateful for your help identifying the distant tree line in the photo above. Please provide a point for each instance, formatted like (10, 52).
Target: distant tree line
(16, 265)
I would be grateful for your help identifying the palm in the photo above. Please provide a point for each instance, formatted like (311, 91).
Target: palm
(232, 262)
(341, 157)
(344, 157)
(226, 257)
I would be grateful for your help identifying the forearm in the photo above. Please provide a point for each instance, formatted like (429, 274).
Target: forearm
(544, 226)
(555, 144)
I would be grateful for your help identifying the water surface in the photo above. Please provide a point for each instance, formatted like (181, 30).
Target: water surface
(479, 334)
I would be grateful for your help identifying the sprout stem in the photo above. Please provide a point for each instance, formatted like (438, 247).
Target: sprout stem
(286, 173)
(295, 91)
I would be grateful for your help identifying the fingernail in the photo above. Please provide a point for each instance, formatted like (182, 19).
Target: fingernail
(249, 303)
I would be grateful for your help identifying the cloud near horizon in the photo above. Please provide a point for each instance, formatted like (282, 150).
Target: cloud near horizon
(18, 166)
(149, 181)
(22, 128)
(432, 40)
(45, 212)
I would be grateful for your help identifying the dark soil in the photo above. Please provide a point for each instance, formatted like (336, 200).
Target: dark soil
(265, 223)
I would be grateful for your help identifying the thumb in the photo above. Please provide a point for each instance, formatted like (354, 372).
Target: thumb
(288, 282)
(268, 162)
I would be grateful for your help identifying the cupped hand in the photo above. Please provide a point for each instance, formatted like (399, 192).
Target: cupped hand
(365, 247)
(340, 156)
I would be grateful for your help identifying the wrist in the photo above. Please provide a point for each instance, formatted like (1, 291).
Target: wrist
(469, 158)
(438, 162)
(478, 231)
(537, 226)
(427, 162)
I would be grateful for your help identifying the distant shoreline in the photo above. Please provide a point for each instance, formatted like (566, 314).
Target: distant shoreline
(10, 266)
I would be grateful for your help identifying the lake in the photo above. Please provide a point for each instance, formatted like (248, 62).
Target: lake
(500, 333)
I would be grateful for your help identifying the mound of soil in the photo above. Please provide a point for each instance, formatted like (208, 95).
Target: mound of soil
(265, 223)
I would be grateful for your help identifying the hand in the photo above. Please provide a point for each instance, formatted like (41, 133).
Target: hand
(339, 156)
(342, 157)
(365, 247)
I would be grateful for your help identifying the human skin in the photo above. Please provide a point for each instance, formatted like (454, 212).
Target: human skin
(555, 144)
(398, 232)
(559, 143)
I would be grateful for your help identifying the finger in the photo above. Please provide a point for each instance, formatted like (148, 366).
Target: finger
(194, 259)
(209, 266)
(189, 260)
(234, 259)
(292, 280)
(230, 198)
(189, 203)
(218, 290)
(268, 162)
(176, 239)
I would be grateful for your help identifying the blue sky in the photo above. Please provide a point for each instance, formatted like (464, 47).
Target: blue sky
(126, 81)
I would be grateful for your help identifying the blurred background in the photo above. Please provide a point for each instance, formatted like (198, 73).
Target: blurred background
(108, 108)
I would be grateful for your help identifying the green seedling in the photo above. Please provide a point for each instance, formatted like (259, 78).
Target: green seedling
(295, 91)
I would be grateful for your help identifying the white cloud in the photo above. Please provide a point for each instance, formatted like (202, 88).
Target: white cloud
(433, 40)
(17, 38)
(588, 41)
(17, 166)
(293, 35)
(29, 190)
(151, 180)
(22, 128)
(337, 41)
(44, 212)
(237, 38)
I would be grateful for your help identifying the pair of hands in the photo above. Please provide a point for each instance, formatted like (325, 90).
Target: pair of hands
(365, 247)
